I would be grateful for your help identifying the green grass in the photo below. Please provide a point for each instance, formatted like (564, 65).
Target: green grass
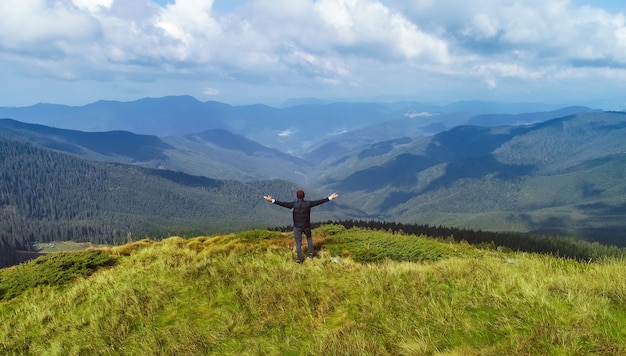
(243, 294)
(54, 269)
(368, 246)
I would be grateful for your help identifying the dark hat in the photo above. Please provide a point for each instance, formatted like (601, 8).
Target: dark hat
(300, 194)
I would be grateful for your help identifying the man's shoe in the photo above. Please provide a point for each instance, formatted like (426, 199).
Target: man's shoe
(299, 261)
(311, 255)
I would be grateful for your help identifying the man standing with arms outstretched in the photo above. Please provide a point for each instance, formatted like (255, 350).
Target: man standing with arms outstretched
(301, 210)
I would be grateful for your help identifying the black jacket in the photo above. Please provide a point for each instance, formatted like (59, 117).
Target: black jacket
(301, 210)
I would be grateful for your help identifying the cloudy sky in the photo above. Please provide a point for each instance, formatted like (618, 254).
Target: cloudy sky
(266, 51)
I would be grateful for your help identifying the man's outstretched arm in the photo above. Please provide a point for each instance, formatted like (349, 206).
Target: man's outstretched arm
(322, 201)
(280, 203)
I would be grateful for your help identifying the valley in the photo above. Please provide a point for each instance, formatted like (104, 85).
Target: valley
(558, 172)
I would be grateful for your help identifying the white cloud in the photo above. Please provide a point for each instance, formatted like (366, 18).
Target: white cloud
(286, 133)
(484, 26)
(211, 91)
(314, 48)
(555, 30)
(93, 5)
(413, 114)
(369, 28)
(37, 26)
(191, 24)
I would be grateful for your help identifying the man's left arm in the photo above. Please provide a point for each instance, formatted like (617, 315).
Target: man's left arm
(322, 201)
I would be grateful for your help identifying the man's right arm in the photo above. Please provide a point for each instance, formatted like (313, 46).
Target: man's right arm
(277, 202)
(284, 204)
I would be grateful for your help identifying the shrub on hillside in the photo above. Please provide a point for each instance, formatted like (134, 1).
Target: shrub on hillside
(330, 230)
(54, 269)
(258, 235)
(374, 246)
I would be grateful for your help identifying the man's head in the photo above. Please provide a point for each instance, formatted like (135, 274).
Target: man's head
(300, 194)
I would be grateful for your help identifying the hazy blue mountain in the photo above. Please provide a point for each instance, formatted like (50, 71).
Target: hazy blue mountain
(500, 119)
(160, 117)
(214, 153)
(293, 129)
(230, 141)
(285, 128)
(487, 107)
(220, 153)
(118, 146)
(417, 124)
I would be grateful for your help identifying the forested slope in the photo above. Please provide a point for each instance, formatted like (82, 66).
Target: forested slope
(46, 196)
(564, 176)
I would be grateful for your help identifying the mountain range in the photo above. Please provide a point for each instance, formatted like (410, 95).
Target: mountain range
(294, 129)
(529, 168)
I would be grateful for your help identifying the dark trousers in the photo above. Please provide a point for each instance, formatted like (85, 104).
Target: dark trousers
(297, 235)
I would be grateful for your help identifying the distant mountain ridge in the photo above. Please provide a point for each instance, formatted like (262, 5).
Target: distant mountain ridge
(291, 129)
(214, 153)
(103, 145)
(558, 172)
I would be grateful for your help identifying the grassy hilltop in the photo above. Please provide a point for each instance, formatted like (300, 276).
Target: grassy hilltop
(369, 292)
